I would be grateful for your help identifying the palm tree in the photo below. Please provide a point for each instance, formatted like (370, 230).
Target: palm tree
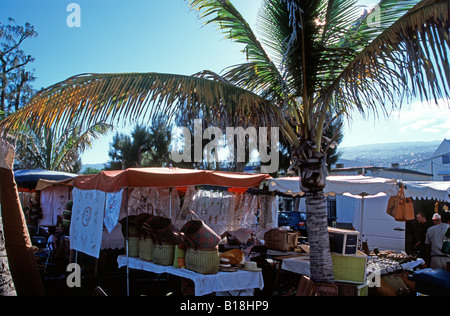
(45, 148)
(147, 146)
(6, 285)
(314, 59)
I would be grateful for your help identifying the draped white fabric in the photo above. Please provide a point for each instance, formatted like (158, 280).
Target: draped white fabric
(87, 221)
(112, 209)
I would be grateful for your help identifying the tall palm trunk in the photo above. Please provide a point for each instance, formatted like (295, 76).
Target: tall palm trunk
(321, 269)
(6, 284)
(313, 172)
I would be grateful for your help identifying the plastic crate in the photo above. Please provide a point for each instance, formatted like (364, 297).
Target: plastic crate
(350, 268)
(343, 241)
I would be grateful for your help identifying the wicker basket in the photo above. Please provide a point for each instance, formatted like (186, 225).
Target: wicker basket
(202, 261)
(198, 235)
(134, 233)
(133, 246)
(146, 247)
(164, 254)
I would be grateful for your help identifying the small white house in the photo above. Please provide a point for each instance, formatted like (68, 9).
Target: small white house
(439, 164)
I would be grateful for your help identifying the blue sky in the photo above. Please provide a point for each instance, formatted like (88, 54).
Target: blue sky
(165, 36)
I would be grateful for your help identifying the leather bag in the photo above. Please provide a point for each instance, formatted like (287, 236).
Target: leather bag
(400, 207)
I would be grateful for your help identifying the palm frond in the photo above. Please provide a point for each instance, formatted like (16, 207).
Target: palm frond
(407, 60)
(260, 69)
(90, 98)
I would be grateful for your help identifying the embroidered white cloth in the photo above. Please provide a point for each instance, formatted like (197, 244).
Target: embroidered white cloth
(204, 283)
(53, 202)
(87, 221)
(112, 209)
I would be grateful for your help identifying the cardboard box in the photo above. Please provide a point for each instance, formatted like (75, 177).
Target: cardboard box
(283, 240)
(343, 241)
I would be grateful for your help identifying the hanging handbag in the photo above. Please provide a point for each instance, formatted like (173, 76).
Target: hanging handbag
(407, 207)
(392, 207)
(400, 207)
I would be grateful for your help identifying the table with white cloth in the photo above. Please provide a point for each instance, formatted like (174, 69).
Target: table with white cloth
(301, 265)
(204, 283)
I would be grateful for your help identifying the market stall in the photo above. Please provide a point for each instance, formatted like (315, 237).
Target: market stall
(54, 195)
(27, 180)
(360, 190)
(358, 268)
(43, 194)
(110, 197)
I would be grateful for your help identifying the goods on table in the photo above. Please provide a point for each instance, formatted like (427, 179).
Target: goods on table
(349, 268)
(134, 232)
(234, 256)
(202, 261)
(198, 235)
(164, 254)
(278, 239)
(343, 241)
(146, 247)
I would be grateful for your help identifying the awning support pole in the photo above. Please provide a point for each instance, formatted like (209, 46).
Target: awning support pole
(126, 243)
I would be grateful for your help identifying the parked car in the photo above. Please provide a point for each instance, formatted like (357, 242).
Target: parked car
(294, 220)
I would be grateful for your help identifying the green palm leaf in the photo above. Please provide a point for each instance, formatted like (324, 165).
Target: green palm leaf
(90, 98)
(407, 59)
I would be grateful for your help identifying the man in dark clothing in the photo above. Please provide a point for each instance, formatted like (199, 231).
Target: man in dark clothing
(420, 232)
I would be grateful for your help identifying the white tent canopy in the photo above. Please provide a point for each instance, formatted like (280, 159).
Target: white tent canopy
(356, 185)
(363, 185)
(438, 190)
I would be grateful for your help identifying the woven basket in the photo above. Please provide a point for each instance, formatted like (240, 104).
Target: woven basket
(162, 230)
(134, 232)
(133, 246)
(198, 235)
(164, 254)
(202, 261)
(146, 247)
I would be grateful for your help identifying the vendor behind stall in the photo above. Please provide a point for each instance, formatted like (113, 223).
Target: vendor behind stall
(436, 259)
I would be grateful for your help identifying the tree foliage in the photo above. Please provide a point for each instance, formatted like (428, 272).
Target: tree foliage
(15, 79)
(146, 147)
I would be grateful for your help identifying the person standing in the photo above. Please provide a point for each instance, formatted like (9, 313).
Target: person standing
(434, 240)
(420, 232)
(436, 219)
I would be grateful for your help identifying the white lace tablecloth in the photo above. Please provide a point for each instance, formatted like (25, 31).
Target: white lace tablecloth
(204, 284)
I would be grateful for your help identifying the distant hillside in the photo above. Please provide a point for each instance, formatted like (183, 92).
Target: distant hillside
(383, 155)
(98, 166)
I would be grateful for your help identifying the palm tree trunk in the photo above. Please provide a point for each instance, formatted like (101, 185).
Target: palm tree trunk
(313, 172)
(321, 269)
(6, 284)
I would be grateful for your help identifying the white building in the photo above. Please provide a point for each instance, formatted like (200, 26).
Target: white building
(439, 164)
(384, 172)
